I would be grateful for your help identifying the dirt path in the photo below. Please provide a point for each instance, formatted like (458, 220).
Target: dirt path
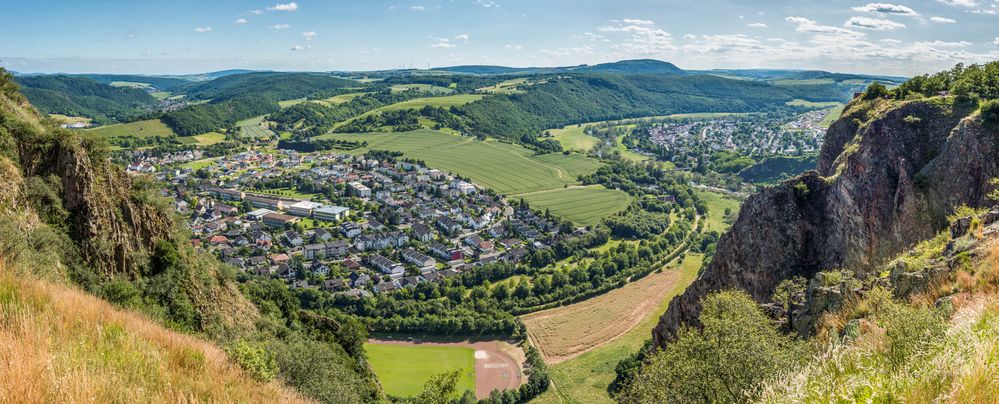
(498, 364)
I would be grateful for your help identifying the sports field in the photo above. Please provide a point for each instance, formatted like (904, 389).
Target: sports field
(403, 369)
(584, 378)
(147, 128)
(585, 205)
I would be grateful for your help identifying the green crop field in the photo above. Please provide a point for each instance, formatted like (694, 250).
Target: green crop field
(417, 103)
(437, 90)
(147, 128)
(573, 137)
(203, 139)
(583, 205)
(403, 369)
(506, 168)
(573, 165)
(717, 203)
(251, 128)
(288, 103)
(584, 379)
(339, 99)
(131, 84)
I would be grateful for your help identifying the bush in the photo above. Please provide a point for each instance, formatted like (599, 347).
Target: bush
(254, 360)
(990, 114)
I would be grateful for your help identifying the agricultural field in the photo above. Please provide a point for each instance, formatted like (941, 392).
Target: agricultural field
(573, 165)
(585, 205)
(506, 87)
(717, 203)
(832, 116)
(436, 90)
(584, 378)
(797, 102)
(338, 99)
(417, 103)
(161, 95)
(204, 139)
(131, 84)
(288, 103)
(69, 119)
(140, 129)
(403, 369)
(573, 137)
(252, 128)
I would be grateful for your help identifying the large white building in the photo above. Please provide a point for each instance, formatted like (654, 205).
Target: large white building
(330, 213)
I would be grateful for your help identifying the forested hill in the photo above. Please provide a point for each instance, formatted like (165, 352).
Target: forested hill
(636, 66)
(562, 100)
(80, 96)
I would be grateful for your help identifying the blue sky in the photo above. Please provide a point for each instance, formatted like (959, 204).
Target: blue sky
(182, 36)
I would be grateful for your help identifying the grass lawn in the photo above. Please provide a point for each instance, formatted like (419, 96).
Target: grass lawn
(506, 168)
(287, 193)
(584, 379)
(199, 164)
(147, 128)
(716, 209)
(403, 369)
(583, 205)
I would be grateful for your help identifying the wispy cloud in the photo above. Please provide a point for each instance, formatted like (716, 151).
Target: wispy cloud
(942, 20)
(240, 21)
(876, 24)
(417, 8)
(203, 29)
(309, 35)
(461, 37)
(943, 44)
(803, 24)
(443, 43)
(520, 47)
(886, 8)
(757, 25)
(487, 3)
(279, 26)
(284, 7)
(300, 47)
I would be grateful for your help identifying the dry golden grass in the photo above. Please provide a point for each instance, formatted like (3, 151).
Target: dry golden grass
(566, 332)
(58, 344)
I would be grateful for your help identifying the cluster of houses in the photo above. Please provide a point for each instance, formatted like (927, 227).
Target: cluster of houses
(416, 225)
(752, 135)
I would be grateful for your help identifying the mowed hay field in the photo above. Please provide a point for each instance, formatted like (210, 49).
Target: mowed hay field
(574, 137)
(204, 139)
(583, 205)
(252, 128)
(584, 378)
(402, 370)
(507, 168)
(147, 128)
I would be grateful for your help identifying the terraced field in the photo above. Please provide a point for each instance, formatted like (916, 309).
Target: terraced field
(583, 205)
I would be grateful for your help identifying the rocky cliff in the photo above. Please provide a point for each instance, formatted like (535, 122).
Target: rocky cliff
(888, 175)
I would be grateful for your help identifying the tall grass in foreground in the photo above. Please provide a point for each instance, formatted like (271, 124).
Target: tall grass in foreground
(58, 344)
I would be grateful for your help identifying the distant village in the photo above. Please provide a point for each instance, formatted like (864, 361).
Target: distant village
(384, 225)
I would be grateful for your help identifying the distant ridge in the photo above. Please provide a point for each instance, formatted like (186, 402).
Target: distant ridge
(636, 66)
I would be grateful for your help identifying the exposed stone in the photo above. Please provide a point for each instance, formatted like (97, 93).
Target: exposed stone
(881, 186)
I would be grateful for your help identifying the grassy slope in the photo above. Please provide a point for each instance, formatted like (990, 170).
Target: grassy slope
(584, 379)
(716, 208)
(417, 103)
(147, 128)
(58, 344)
(403, 369)
(583, 205)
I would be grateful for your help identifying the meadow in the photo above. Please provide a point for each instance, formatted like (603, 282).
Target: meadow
(584, 378)
(140, 129)
(436, 90)
(252, 128)
(583, 205)
(403, 369)
(417, 103)
(506, 87)
(204, 139)
(338, 99)
(797, 102)
(717, 203)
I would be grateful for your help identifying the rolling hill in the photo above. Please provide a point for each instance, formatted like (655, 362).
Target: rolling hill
(80, 96)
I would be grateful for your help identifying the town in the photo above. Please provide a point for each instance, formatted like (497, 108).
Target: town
(378, 225)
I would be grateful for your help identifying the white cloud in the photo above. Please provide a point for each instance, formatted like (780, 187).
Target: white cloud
(757, 25)
(942, 44)
(637, 21)
(309, 35)
(279, 26)
(284, 7)
(487, 3)
(689, 36)
(943, 20)
(891, 41)
(461, 37)
(300, 47)
(514, 47)
(803, 24)
(996, 41)
(417, 8)
(203, 29)
(960, 3)
(240, 21)
(645, 38)
(876, 24)
(255, 12)
(443, 43)
(886, 8)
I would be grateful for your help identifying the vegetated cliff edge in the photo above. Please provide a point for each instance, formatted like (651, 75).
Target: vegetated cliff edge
(888, 174)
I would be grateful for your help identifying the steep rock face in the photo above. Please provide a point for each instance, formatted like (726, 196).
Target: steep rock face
(888, 175)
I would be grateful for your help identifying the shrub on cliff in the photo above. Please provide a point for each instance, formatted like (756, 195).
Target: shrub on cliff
(990, 114)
